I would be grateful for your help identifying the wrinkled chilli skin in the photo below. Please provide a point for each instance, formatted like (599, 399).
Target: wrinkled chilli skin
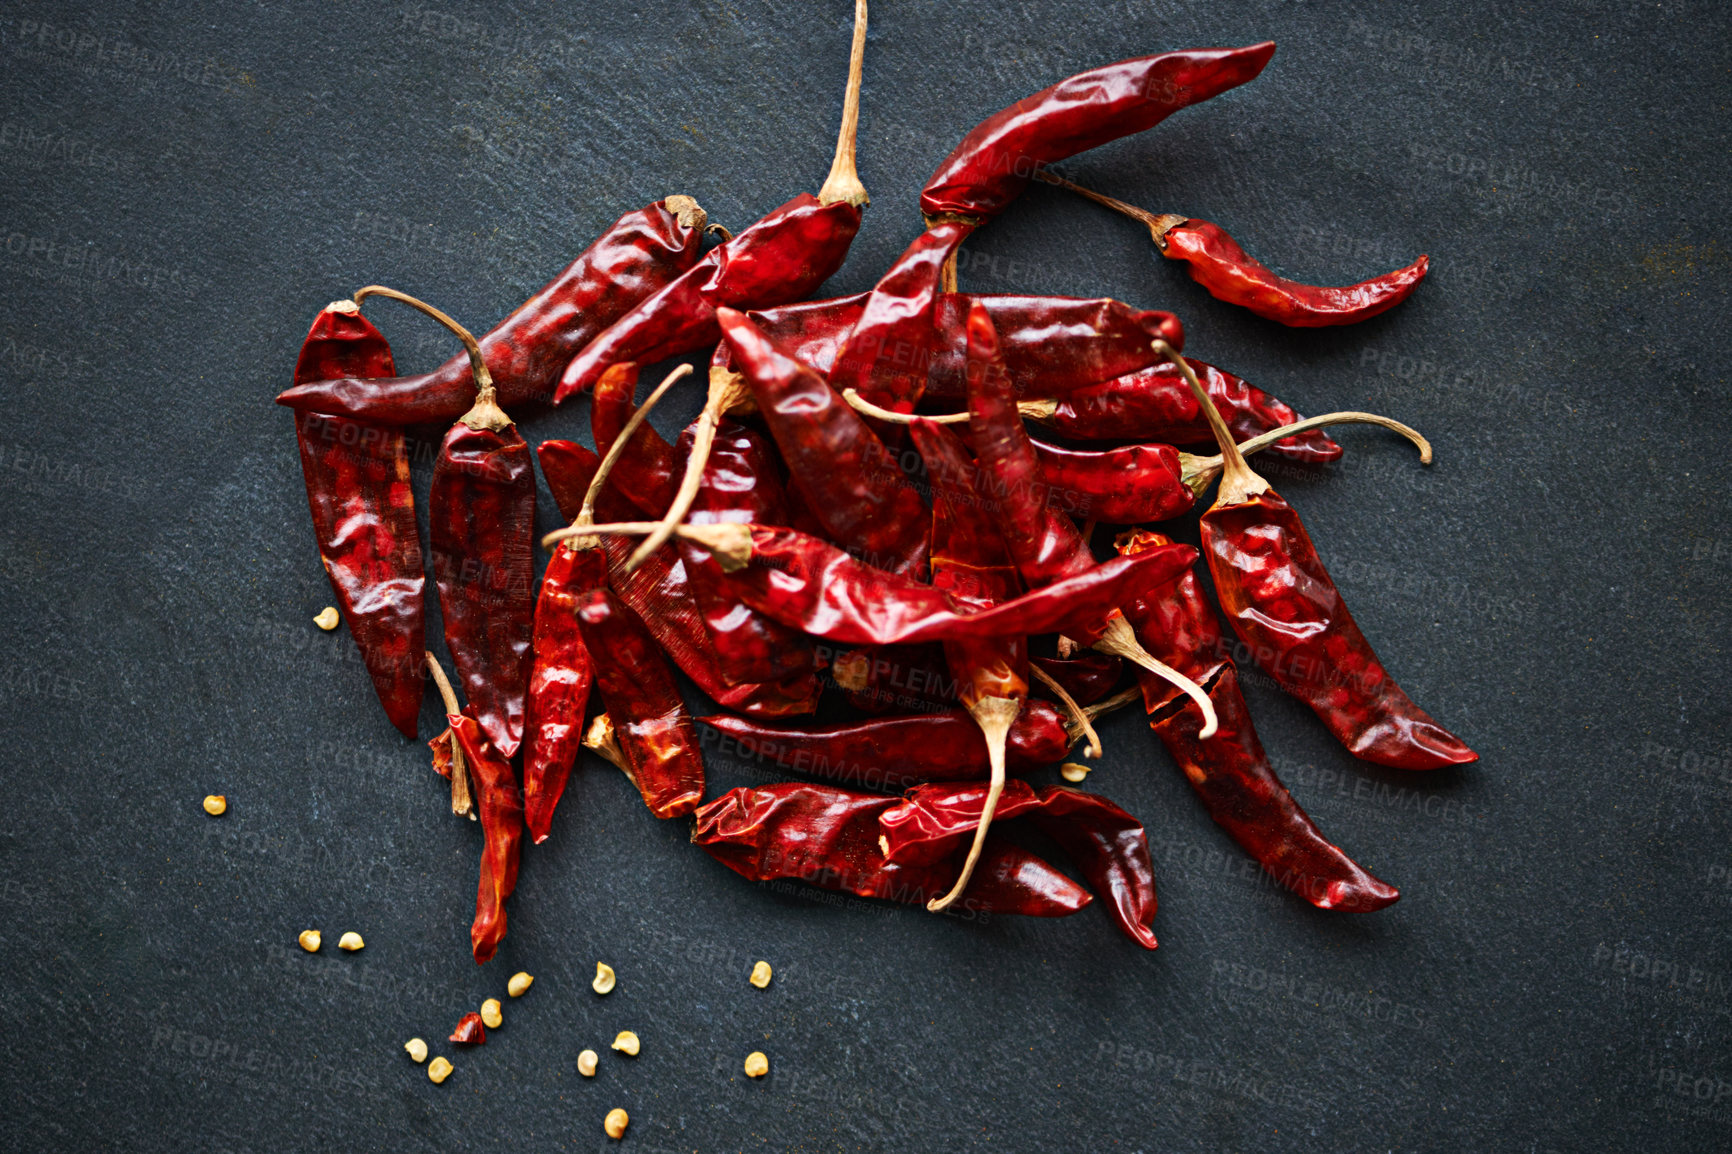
(1230, 773)
(501, 814)
(1051, 346)
(648, 472)
(1282, 603)
(828, 837)
(891, 754)
(482, 511)
(1230, 274)
(560, 677)
(1154, 404)
(782, 257)
(357, 477)
(641, 253)
(1121, 486)
(995, 161)
(847, 478)
(649, 717)
(1107, 844)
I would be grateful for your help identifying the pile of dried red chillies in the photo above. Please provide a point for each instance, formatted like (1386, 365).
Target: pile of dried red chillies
(891, 497)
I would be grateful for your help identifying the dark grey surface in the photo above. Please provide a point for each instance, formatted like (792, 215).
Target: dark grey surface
(1556, 974)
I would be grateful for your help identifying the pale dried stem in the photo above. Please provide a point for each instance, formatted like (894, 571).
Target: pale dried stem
(994, 715)
(1199, 472)
(1031, 410)
(486, 413)
(730, 541)
(1080, 721)
(1120, 641)
(724, 389)
(843, 183)
(461, 802)
(586, 513)
(1238, 482)
(1159, 223)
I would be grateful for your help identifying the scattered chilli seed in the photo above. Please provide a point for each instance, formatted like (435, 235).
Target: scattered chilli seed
(519, 984)
(626, 1043)
(309, 940)
(439, 1069)
(586, 1063)
(490, 1014)
(760, 975)
(756, 1064)
(604, 978)
(327, 618)
(350, 941)
(469, 1031)
(216, 805)
(1073, 771)
(617, 1121)
(417, 1049)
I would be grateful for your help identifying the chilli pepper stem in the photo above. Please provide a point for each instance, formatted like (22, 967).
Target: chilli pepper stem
(1200, 471)
(1239, 483)
(1159, 223)
(1032, 410)
(460, 799)
(1079, 720)
(994, 715)
(843, 183)
(730, 541)
(486, 413)
(586, 513)
(726, 390)
(1120, 640)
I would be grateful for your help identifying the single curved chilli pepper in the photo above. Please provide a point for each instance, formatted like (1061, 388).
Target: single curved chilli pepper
(559, 680)
(814, 586)
(828, 837)
(740, 484)
(660, 593)
(482, 513)
(648, 473)
(1230, 772)
(970, 561)
(1107, 844)
(781, 258)
(649, 717)
(1122, 486)
(1282, 603)
(1087, 677)
(849, 480)
(642, 252)
(501, 809)
(1050, 345)
(996, 160)
(888, 354)
(894, 753)
(363, 509)
(1155, 404)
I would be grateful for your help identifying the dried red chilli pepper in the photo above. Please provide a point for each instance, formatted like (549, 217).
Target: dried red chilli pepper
(828, 837)
(849, 480)
(1155, 404)
(997, 159)
(642, 252)
(482, 513)
(357, 477)
(660, 593)
(894, 753)
(1044, 543)
(1282, 603)
(740, 484)
(501, 805)
(1230, 274)
(560, 679)
(783, 257)
(1107, 844)
(1087, 677)
(648, 473)
(888, 353)
(971, 563)
(649, 716)
(1230, 773)
(814, 586)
